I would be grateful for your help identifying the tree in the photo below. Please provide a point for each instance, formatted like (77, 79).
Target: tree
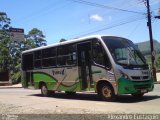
(158, 62)
(15, 51)
(5, 58)
(4, 21)
(35, 38)
(10, 51)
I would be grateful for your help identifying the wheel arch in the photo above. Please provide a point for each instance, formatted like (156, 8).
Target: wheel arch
(103, 82)
(41, 83)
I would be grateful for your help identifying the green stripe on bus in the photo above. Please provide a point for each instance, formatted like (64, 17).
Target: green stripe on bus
(51, 82)
(40, 76)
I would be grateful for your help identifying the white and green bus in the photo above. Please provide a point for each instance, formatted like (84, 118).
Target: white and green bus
(108, 65)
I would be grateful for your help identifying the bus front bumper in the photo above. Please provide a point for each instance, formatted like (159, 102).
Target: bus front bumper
(126, 86)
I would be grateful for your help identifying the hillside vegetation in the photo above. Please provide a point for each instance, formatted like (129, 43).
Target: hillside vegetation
(145, 49)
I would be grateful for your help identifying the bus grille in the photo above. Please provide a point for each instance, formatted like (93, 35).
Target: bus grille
(140, 78)
(145, 77)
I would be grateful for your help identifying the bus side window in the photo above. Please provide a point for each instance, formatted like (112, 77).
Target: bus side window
(49, 57)
(37, 59)
(99, 55)
(66, 55)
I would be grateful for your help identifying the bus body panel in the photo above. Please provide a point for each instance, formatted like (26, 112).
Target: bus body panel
(128, 87)
(101, 74)
(60, 79)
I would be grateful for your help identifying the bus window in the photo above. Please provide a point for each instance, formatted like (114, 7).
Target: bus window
(49, 57)
(27, 62)
(37, 64)
(49, 52)
(37, 59)
(99, 56)
(38, 55)
(66, 55)
(48, 62)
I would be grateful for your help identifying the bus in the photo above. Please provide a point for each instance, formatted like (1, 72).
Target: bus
(109, 65)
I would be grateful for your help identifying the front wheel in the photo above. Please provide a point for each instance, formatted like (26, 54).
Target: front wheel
(139, 95)
(44, 91)
(106, 92)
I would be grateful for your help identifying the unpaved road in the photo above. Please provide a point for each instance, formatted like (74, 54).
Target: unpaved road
(26, 101)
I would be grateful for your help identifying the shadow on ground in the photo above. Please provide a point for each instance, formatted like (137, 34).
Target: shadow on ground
(94, 97)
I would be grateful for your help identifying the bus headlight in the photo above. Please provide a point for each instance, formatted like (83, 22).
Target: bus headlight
(123, 74)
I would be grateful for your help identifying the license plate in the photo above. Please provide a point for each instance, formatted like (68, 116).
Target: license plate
(143, 91)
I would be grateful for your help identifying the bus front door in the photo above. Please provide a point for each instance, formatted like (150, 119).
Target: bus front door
(84, 64)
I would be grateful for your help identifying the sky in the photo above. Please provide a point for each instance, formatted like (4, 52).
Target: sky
(69, 19)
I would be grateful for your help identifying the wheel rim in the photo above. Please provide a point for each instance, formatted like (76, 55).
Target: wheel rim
(44, 90)
(106, 92)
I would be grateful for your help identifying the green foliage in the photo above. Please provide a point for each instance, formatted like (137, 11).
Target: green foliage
(5, 58)
(10, 51)
(5, 21)
(145, 47)
(158, 63)
(16, 74)
(36, 38)
(33, 39)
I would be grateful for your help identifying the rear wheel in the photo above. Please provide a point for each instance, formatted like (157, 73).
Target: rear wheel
(106, 92)
(139, 95)
(44, 91)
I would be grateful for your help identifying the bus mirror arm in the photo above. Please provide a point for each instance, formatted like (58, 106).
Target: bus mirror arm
(107, 68)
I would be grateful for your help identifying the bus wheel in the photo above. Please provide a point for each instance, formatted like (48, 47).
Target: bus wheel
(106, 93)
(44, 91)
(139, 95)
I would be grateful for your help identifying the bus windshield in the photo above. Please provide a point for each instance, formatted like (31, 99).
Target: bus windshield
(123, 51)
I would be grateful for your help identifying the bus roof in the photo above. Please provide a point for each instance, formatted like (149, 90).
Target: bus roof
(65, 42)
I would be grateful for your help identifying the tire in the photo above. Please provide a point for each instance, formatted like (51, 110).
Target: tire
(139, 95)
(106, 92)
(44, 91)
